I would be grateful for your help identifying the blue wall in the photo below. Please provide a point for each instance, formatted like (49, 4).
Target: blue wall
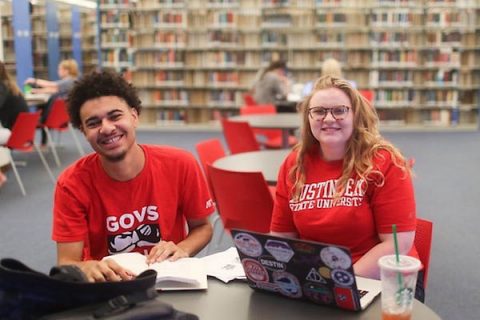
(23, 40)
(53, 40)
(76, 37)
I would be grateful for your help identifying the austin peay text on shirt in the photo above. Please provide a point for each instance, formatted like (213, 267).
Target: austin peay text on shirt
(322, 195)
(133, 231)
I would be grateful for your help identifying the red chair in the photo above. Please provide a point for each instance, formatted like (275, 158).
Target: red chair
(249, 100)
(274, 136)
(59, 120)
(262, 109)
(22, 139)
(244, 199)
(423, 244)
(368, 94)
(239, 136)
(208, 151)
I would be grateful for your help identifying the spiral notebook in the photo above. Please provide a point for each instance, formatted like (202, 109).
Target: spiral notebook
(298, 269)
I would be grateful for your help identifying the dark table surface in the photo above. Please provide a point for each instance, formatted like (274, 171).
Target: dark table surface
(236, 300)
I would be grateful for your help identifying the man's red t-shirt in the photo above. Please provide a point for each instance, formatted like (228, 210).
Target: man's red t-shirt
(121, 216)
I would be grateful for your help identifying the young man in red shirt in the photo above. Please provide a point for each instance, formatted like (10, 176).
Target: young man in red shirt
(125, 196)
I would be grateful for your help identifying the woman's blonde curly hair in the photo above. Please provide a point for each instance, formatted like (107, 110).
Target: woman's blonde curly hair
(362, 147)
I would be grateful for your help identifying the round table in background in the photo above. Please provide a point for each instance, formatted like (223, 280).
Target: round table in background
(36, 98)
(267, 162)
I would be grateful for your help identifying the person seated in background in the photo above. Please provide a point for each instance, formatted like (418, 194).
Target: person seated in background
(68, 73)
(330, 67)
(3, 179)
(273, 84)
(12, 103)
(344, 183)
(125, 196)
(4, 164)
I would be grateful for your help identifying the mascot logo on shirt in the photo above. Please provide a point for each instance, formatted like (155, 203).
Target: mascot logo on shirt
(144, 232)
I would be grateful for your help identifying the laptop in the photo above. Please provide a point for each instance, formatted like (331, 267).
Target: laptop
(298, 269)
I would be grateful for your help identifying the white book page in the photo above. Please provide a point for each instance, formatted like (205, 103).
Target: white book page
(188, 271)
(183, 274)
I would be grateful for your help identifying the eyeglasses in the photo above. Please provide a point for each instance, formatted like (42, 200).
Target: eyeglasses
(319, 113)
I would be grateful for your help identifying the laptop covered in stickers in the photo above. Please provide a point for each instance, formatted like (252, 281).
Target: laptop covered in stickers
(298, 269)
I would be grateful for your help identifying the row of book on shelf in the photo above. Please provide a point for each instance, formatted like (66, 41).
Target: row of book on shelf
(393, 45)
(441, 117)
(180, 116)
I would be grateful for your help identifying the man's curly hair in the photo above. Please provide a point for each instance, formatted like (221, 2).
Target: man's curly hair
(100, 84)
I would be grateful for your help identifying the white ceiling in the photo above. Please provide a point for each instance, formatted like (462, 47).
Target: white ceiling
(84, 3)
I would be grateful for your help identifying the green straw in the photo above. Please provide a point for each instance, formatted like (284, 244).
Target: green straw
(395, 241)
(397, 258)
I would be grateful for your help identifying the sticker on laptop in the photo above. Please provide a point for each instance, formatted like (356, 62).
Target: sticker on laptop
(248, 244)
(335, 258)
(307, 259)
(303, 247)
(324, 272)
(344, 298)
(280, 250)
(342, 277)
(287, 283)
(272, 264)
(267, 286)
(254, 270)
(315, 276)
(318, 293)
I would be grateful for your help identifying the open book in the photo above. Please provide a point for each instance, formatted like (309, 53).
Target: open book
(183, 274)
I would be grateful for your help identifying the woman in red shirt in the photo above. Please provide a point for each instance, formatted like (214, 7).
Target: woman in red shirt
(344, 183)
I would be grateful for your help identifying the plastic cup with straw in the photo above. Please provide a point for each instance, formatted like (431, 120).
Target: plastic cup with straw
(398, 274)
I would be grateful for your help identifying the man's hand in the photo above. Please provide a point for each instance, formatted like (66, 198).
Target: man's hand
(105, 270)
(165, 250)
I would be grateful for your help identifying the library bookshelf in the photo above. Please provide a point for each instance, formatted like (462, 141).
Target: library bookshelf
(89, 40)
(8, 38)
(39, 35)
(65, 35)
(193, 60)
(39, 41)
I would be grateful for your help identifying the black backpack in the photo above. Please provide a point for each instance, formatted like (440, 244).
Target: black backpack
(65, 294)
